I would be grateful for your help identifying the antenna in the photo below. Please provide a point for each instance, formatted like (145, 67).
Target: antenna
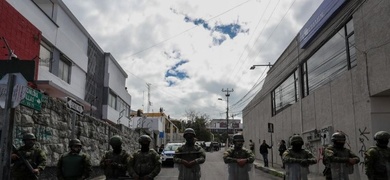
(11, 54)
(149, 102)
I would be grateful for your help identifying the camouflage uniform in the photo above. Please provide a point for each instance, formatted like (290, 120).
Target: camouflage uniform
(338, 157)
(72, 165)
(233, 155)
(34, 155)
(145, 165)
(297, 160)
(377, 158)
(115, 164)
(189, 152)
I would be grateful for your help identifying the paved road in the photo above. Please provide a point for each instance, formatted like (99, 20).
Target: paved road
(213, 169)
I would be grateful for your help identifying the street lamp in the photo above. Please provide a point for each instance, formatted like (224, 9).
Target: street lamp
(254, 66)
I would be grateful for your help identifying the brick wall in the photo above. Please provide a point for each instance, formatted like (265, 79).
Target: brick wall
(22, 36)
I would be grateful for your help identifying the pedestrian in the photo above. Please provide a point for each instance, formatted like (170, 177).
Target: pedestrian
(264, 152)
(189, 156)
(297, 160)
(114, 162)
(239, 159)
(74, 165)
(34, 156)
(252, 146)
(161, 149)
(282, 149)
(377, 158)
(338, 160)
(145, 163)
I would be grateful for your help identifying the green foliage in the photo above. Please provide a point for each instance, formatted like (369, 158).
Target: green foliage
(199, 125)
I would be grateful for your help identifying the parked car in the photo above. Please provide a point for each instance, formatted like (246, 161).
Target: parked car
(168, 152)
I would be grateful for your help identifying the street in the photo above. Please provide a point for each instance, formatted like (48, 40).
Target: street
(213, 168)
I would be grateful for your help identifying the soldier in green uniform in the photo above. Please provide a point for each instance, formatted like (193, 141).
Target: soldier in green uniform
(297, 160)
(338, 160)
(145, 163)
(74, 165)
(35, 156)
(377, 158)
(189, 156)
(114, 162)
(239, 159)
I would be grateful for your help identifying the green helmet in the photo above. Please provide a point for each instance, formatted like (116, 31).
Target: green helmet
(29, 136)
(295, 139)
(144, 138)
(74, 142)
(381, 135)
(338, 136)
(238, 138)
(189, 131)
(116, 140)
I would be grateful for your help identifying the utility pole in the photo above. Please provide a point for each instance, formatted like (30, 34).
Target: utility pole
(227, 111)
(149, 102)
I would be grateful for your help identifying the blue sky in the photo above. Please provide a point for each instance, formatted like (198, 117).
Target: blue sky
(190, 50)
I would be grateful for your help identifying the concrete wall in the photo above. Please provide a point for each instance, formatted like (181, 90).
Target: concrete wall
(356, 102)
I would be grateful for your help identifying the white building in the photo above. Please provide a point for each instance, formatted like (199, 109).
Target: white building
(158, 126)
(73, 65)
(218, 126)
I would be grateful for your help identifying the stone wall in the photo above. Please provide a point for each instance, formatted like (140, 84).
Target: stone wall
(52, 127)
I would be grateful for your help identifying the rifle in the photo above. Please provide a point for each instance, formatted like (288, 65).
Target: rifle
(28, 165)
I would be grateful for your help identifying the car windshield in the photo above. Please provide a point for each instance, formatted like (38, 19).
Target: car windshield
(172, 147)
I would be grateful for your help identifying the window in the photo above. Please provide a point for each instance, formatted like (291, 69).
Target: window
(285, 94)
(45, 56)
(112, 100)
(336, 56)
(46, 6)
(64, 69)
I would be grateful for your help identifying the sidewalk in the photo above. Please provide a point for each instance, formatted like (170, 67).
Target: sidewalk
(279, 172)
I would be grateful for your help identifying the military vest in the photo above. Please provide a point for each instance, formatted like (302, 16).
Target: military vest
(32, 155)
(73, 165)
(382, 162)
(121, 158)
(144, 163)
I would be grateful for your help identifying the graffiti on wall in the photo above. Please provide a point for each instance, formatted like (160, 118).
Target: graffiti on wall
(42, 133)
(362, 138)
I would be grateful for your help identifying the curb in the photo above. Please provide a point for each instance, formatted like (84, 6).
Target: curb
(269, 170)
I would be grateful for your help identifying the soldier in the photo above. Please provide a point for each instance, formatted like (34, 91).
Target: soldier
(338, 160)
(115, 161)
(74, 165)
(33, 155)
(377, 158)
(239, 159)
(189, 157)
(297, 160)
(145, 163)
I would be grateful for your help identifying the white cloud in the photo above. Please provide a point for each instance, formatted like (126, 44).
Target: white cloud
(148, 38)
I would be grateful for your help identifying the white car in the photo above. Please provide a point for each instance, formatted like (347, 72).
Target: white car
(168, 152)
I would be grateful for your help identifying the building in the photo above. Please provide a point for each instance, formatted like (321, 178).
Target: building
(158, 125)
(218, 126)
(332, 77)
(69, 63)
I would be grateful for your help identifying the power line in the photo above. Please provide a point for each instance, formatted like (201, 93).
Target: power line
(174, 36)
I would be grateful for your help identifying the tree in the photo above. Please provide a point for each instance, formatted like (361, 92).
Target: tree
(199, 124)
